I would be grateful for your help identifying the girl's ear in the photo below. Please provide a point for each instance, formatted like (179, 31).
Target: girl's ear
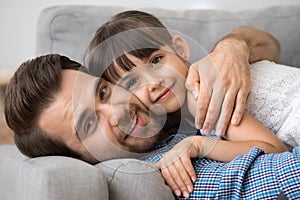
(181, 47)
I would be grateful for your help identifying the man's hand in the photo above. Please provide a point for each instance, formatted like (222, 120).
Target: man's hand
(176, 166)
(220, 83)
(229, 63)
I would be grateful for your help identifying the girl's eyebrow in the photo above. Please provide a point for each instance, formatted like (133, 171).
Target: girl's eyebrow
(97, 86)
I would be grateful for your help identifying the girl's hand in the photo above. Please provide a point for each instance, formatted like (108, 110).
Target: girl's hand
(176, 166)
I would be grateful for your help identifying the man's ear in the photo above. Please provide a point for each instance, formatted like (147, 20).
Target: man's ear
(181, 47)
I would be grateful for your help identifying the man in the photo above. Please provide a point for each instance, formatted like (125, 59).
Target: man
(49, 118)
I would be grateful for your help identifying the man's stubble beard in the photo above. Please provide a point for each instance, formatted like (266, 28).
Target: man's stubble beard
(147, 145)
(151, 135)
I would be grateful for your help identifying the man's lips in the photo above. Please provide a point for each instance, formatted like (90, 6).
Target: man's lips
(136, 126)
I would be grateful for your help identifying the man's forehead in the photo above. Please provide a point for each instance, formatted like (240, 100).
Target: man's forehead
(76, 74)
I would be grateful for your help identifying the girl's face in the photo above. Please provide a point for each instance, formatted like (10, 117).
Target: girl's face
(158, 81)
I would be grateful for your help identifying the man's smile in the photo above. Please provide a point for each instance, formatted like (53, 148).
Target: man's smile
(136, 126)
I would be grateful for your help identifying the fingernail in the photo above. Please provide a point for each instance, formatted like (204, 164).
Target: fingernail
(206, 131)
(186, 194)
(190, 188)
(234, 121)
(220, 133)
(202, 131)
(177, 193)
(193, 179)
(195, 94)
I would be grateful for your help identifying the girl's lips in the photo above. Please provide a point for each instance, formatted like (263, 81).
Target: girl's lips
(163, 95)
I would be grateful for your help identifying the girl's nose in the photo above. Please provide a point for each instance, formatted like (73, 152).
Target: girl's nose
(154, 84)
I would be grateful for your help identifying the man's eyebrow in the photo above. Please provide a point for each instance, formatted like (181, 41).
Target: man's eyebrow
(125, 77)
(82, 117)
(79, 122)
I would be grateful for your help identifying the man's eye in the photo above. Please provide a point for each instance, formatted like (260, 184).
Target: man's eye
(155, 60)
(102, 93)
(89, 125)
(130, 84)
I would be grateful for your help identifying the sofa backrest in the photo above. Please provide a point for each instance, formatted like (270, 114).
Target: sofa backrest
(68, 29)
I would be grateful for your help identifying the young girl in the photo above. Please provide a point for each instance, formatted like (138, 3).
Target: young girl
(231, 55)
(158, 78)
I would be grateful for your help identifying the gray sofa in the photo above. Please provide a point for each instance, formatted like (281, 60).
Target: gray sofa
(67, 30)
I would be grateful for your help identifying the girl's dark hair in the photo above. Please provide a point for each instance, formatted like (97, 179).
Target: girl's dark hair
(31, 89)
(134, 32)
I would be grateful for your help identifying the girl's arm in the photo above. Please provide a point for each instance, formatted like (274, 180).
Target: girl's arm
(240, 139)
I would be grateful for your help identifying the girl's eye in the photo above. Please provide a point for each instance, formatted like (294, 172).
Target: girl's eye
(131, 83)
(102, 93)
(155, 60)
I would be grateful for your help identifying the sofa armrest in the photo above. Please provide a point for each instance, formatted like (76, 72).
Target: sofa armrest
(46, 178)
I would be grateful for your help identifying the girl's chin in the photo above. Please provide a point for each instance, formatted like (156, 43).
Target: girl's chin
(172, 108)
(161, 109)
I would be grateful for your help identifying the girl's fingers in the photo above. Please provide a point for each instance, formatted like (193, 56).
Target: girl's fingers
(170, 181)
(183, 177)
(189, 168)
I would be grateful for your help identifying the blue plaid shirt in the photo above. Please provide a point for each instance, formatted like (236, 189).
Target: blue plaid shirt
(254, 175)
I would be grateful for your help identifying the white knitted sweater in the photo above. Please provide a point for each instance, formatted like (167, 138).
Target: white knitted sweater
(275, 99)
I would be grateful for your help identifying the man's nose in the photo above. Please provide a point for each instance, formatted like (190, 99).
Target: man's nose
(120, 115)
(115, 109)
(113, 114)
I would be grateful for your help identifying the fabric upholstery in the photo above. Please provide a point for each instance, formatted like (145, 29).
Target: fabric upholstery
(48, 178)
(130, 179)
(68, 29)
(56, 178)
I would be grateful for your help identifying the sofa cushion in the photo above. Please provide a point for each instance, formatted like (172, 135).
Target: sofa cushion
(68, 29)
(131, 179)
(48, 178)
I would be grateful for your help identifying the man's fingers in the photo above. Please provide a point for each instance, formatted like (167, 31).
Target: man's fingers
(192, 79)
(202, 105)
(239, 107)
(214, 110)
(225, 115)
(232, 111)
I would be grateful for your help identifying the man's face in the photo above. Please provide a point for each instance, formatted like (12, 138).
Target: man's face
(93, 116)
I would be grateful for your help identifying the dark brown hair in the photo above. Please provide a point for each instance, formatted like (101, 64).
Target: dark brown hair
(134, 32)
(29, 92)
